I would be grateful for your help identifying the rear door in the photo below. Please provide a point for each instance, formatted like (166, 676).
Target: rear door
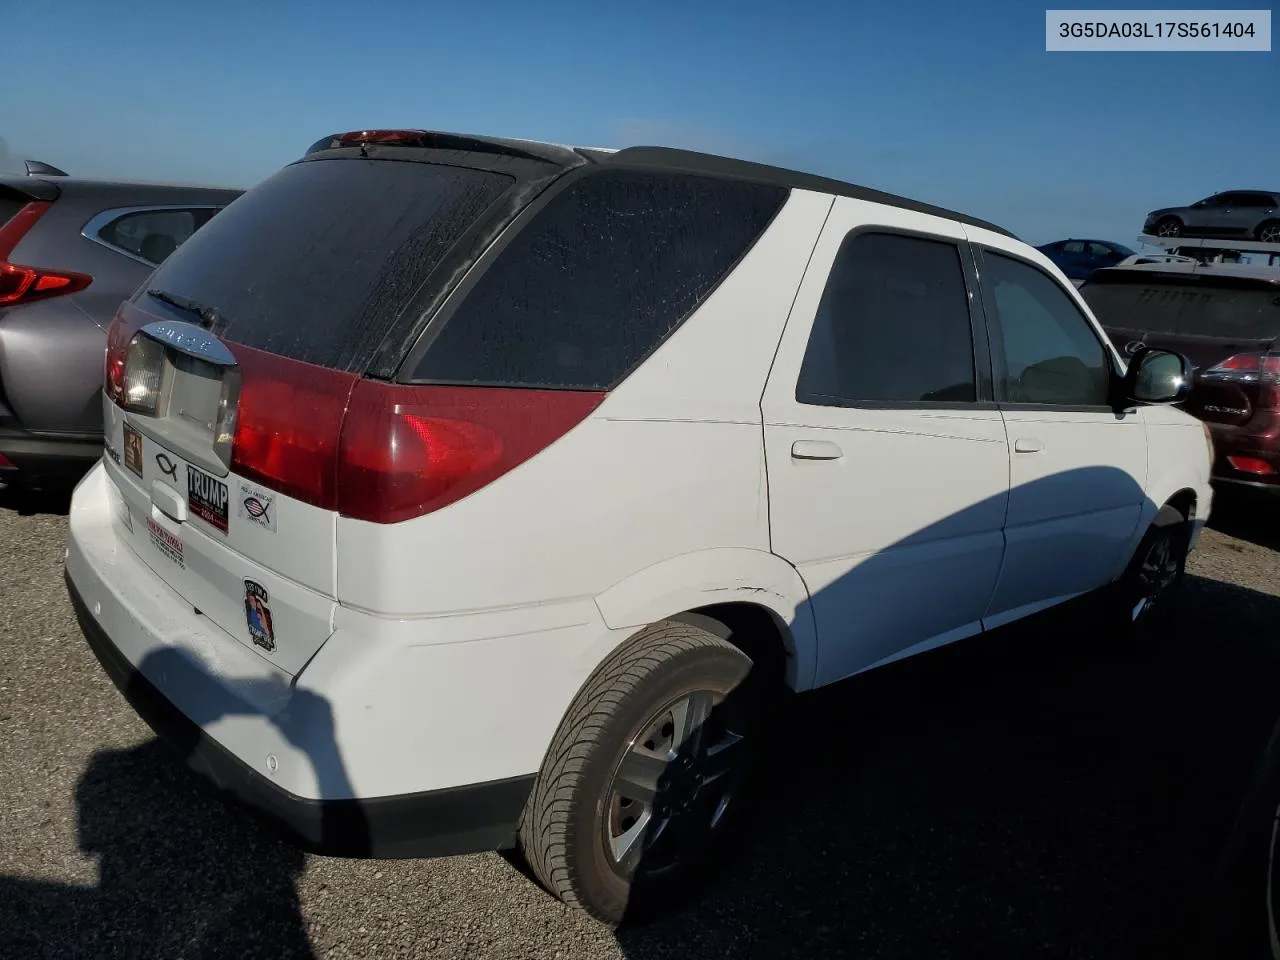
(274, 307)
(887, 464)
(1078, 466)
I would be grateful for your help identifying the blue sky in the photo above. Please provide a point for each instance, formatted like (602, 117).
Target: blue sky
(956, 104)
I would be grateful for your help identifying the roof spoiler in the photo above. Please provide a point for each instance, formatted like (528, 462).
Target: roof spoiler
(36, 168)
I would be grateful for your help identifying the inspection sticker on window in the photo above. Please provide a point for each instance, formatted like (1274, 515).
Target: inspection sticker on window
(1158, 30)
(166, 543)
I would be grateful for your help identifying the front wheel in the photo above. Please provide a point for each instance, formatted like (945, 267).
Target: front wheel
(644, 776)
(1169, 227)
(1148, 590)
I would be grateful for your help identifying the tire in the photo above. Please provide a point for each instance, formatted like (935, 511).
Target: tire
(575, 827)
(1168, 227)
(1146, 595)
(1268, 232)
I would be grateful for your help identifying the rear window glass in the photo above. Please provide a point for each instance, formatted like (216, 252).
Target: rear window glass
(1186, 310)
(8, 207)
(596, 281)
(316, 263)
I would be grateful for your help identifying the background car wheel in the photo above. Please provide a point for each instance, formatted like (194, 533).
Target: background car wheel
(644, 778)
(1268, 232)
(1147, 593)
(1169, 227)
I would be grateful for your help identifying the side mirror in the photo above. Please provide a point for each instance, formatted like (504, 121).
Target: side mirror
(1157, 376)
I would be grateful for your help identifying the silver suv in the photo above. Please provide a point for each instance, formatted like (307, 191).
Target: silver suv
(1252, 214)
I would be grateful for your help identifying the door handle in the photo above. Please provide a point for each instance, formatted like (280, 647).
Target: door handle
(815, 450)
(1027, 445)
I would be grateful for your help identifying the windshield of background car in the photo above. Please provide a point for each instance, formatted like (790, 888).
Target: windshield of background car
(1227, 310)
(317, 262)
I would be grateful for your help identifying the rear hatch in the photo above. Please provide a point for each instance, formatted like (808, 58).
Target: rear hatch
(230, 373)
(1226, 325)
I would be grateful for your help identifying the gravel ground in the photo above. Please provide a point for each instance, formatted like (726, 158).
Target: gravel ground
(1037, 792)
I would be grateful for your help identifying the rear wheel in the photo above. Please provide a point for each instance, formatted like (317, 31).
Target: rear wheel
(1148, 591)
(1268, 232)
(1169, 227)
(644, 778)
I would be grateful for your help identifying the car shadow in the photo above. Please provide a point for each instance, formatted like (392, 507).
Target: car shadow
(52, 499)
(1043, 790)
(1254, 517)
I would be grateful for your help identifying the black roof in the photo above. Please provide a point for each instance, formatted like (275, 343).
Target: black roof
(688, 161)
(664, 158)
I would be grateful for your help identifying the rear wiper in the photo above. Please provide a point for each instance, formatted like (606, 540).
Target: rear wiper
(209, 317)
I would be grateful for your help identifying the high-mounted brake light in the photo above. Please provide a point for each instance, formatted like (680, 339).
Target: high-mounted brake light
(356, 137)
(21, 284)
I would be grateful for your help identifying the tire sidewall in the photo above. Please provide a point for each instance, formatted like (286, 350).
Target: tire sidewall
(611, 896)
(1168, 523)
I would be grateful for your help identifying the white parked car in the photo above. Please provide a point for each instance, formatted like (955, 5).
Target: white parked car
(465, 493)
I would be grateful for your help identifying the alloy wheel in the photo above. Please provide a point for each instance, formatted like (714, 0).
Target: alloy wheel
(673, 786)
(1156, 575)
(1270, 233)
(1168, 228)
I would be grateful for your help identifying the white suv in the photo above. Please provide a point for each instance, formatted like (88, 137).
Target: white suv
(465, 493)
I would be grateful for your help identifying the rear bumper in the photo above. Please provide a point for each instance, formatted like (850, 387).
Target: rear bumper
(465, 819)
(1257, 440)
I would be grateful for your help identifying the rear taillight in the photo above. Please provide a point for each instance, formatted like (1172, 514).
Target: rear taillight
(1248, 368)
(1251, 465)
(288, 424)
(409, 450)
(21, 284)
(381, 452)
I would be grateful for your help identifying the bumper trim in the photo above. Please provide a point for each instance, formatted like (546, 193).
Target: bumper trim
(439, 823)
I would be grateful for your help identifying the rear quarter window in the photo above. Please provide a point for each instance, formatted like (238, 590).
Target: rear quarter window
(596, 280)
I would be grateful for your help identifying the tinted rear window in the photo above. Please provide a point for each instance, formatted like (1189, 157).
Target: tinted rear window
(8, 207)
(596, 281)
(1186, 310)
(317, 262)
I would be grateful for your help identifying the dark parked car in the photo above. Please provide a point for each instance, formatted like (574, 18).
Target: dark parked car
(71, 250)
(1226, 320)
(1079, 258)
(1251, 214)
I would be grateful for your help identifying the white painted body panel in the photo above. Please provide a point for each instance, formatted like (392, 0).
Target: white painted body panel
(882, 579)
(444, 650)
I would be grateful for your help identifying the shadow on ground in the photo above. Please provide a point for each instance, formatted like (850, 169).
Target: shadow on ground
(1248, 515)
(1026, 794)
(1039, 792)
(53, 499)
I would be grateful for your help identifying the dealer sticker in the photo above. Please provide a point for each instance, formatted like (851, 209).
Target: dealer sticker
(256, 505)
(207, 498)
(166, 542)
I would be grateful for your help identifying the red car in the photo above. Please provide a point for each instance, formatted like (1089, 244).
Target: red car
(1226, 320)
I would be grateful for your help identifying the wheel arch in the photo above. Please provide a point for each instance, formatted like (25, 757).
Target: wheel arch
(757, 596)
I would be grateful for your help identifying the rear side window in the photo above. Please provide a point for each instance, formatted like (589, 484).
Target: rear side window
(154, 234)
(1187, 309)
(597, 280)
(892, 326)
(316, 262)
